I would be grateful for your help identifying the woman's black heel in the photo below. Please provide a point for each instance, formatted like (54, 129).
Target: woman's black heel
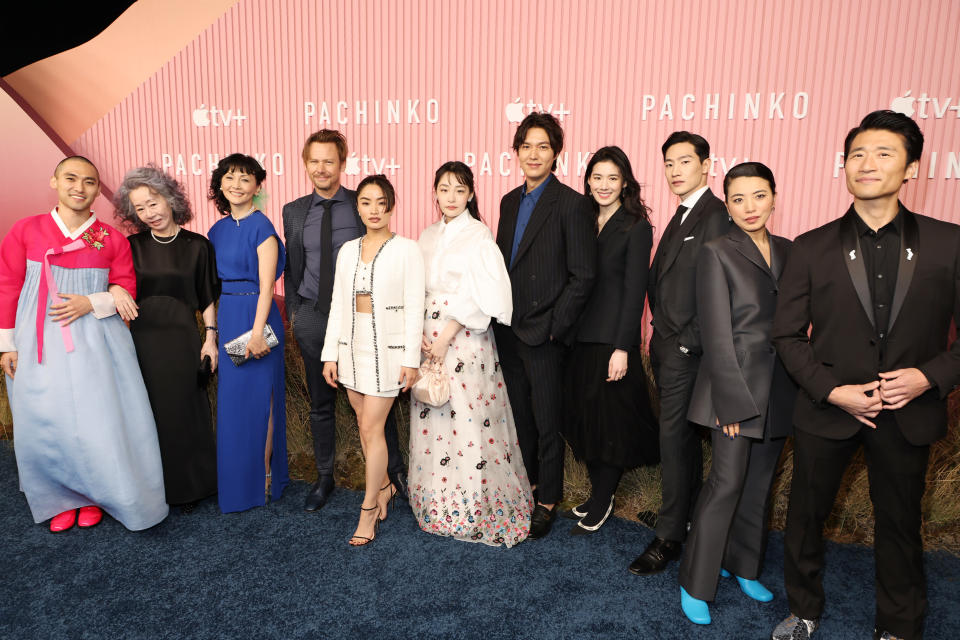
(376, 528)
(390, 501)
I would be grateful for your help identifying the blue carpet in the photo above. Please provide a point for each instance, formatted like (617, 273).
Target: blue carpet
(278, 572)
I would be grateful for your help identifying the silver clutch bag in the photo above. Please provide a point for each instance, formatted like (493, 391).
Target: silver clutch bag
(237, 348)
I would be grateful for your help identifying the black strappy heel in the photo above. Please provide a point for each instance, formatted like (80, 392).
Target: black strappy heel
(391, 501)
(376, 528)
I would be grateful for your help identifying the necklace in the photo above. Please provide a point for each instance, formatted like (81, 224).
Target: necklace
(168, 241)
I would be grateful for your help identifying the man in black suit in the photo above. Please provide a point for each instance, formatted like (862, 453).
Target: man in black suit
(675, 344)
(548, 243)
(877, 290)
(315, 227)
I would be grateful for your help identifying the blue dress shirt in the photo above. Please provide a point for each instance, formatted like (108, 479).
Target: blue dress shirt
(527, 203)
(345, 228)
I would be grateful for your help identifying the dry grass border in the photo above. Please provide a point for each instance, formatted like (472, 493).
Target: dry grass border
(850, 521)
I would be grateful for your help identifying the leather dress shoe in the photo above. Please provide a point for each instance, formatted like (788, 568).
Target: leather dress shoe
(656, 557)
(542, 521)
(399, 481)
(319, 493)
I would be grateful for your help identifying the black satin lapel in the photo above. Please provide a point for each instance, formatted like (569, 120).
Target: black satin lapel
(854, 261)
(909, 254)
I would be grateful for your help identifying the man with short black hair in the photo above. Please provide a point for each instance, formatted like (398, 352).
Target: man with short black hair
(675, 344)
(863, 320)
(546, 235)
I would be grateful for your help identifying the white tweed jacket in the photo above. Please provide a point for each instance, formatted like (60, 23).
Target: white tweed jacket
(397, 298)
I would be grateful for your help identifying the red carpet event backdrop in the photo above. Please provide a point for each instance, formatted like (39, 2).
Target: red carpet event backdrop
(414, 83)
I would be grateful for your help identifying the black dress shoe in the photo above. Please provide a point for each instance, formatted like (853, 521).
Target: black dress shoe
(656, 557)
(399, 481)
(542, 521)
(319, 493)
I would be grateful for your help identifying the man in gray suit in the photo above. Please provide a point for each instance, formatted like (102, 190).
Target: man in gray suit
(315, 227)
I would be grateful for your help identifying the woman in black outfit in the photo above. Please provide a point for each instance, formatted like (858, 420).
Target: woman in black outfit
(609, 423)
(176, 278)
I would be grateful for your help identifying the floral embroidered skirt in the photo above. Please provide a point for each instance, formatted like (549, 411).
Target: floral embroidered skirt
(466, 477)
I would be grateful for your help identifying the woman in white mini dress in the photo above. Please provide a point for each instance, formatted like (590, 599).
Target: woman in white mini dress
(372, 344)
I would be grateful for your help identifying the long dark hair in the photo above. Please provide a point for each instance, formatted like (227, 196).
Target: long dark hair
(464, 176)
(238, 162)
(630, 198)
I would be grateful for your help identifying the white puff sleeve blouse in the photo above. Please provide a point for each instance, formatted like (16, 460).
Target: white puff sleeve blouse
(464, 264)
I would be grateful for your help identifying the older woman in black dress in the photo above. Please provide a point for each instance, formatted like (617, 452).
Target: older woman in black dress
(176, 277)
(609, 423)
(742, 392)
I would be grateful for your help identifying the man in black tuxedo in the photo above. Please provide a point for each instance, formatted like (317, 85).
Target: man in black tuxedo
(877, 290)
(315, 227)
(548, 243)
(675, 344)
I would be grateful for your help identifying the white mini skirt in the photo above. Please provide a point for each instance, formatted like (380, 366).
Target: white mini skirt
(365, 360)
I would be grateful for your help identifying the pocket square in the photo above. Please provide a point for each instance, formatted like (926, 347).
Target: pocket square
(688, 238)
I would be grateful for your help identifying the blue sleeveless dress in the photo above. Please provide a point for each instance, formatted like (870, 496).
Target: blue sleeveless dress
(247, 393)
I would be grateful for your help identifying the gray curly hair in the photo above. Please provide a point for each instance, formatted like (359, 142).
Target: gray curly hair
(157, 181)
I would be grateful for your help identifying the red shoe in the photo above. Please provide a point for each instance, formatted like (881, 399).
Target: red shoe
(89, 516)
(63, 521)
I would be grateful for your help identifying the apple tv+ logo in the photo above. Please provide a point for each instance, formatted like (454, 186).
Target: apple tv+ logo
(940, 106)
(204, 117)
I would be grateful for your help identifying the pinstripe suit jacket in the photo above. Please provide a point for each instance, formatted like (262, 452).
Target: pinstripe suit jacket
(556, 263)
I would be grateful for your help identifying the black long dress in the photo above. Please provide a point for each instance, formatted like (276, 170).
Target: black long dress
(612, 422)
(174, 281)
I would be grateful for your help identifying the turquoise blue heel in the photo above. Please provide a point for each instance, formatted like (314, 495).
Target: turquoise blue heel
(695, 610)
(755, 590)
(724, 573)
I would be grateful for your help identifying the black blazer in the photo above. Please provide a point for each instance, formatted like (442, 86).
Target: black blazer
(294, 217)
(672, 289)
(614, 311)
(555, 265)
(741, 378)
(824, 288)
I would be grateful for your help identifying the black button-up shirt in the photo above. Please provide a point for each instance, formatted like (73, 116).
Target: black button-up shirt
(881, 259)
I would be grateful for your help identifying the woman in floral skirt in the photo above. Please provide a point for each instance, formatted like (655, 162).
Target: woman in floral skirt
(466, 477)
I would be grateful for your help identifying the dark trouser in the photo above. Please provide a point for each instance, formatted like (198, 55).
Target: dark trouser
(603, 484)
(534, 377)
(310, 327)
(729, 523)
(681, 455)
(896, 470)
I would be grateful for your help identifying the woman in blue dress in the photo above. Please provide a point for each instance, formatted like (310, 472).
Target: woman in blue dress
(251, 408)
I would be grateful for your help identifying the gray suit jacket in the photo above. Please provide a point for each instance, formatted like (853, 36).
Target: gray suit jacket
(741, 378)
(294, 217)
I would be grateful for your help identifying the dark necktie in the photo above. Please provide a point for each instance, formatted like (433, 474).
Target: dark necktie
(325, 279)
(674, 227)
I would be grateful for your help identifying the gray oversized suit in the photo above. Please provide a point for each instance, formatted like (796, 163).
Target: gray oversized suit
(741, 380)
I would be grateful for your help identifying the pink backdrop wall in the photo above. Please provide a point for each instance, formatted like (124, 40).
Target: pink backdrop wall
(413, 83)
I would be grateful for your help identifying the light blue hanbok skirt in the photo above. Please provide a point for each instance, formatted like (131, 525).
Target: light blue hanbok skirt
(83, 429)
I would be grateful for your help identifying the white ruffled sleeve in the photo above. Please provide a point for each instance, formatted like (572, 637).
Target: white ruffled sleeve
(484, 290)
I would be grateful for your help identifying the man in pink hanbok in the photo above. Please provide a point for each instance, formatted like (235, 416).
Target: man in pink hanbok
(84, 432)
